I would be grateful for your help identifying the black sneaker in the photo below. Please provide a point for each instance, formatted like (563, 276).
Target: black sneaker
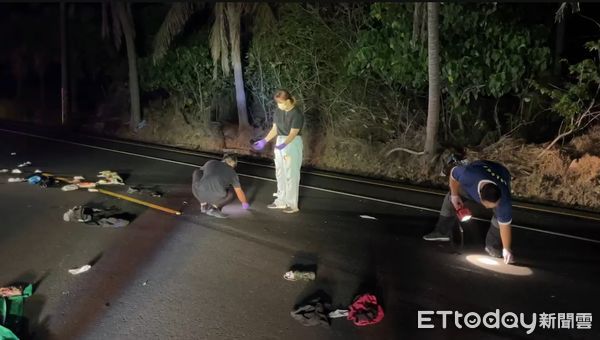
(276, 206)
(214, 212)
(493, 252)
(436, 236)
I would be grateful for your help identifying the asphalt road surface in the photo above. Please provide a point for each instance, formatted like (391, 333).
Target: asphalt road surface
(196, 277)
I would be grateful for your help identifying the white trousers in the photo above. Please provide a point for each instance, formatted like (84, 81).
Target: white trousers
(287, 171)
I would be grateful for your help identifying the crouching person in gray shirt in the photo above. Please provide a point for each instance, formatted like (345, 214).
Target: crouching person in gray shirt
(214, 184)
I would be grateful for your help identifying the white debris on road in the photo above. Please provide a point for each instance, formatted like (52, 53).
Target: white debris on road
(82, 269)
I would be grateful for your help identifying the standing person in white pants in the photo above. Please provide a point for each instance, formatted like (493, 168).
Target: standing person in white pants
(288, 121)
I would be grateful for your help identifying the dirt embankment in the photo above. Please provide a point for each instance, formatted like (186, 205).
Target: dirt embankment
(565, 175)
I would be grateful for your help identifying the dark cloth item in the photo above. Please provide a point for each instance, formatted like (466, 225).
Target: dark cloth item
(144, 190)
(94, 217)
(79, 214)
(110, 222)
(313, 313)
(210, 183)
(286, 121)
(469, 176)
(48, 182)
(365, 310)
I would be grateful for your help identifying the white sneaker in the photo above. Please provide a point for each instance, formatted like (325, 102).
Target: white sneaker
(203, 207)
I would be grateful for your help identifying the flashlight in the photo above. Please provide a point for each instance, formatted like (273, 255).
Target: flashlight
(464, 214)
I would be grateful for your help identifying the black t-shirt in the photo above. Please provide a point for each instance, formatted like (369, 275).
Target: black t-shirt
(216, 178)
(286, 121)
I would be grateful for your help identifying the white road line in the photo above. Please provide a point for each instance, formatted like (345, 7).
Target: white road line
(393, 186)
(348, 179)
(304, 186)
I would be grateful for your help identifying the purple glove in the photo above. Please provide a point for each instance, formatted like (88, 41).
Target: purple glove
(260, 144)
(246, 206)
(281, 146)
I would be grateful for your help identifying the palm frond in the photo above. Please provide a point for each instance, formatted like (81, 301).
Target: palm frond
(560, 13)
(117, 29)
(174, 23)
(264, 18)
(234, 22)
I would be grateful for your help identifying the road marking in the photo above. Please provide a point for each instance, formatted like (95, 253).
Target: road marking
(304, 186)
(363, 181)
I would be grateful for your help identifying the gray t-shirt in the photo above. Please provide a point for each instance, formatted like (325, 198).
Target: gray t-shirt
(216, 178)
(286, 121)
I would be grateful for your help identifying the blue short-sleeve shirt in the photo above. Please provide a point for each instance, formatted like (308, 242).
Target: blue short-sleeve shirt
(469, 176)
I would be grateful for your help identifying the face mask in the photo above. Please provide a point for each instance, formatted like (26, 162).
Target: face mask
(285, 106)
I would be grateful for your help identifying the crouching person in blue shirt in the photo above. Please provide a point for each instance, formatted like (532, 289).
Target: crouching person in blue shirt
(486, 183)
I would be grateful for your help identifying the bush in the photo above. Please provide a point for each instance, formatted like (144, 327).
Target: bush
(186, 73)
(306, 53)
(576, 103)
(484, 52)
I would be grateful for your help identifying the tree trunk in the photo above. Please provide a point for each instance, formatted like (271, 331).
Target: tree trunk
(19, 70)
(42, 75)
(433, 59)
(74, 93)
(416, 22)
(20, 81)
(234, 12)
(134, 87)
(559, 46)
(64, 87)
(423, 23)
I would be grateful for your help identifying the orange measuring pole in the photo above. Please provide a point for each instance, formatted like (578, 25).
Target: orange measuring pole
(135, 200)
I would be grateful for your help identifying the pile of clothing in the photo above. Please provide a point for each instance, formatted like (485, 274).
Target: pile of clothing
(363, 311)
(46, 180)
(109, 178)
(94, 217)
